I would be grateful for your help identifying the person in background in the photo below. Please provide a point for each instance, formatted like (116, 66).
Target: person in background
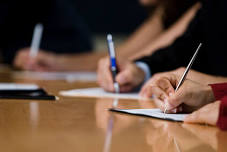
(64, 29)
(157, 31)
(207, 27)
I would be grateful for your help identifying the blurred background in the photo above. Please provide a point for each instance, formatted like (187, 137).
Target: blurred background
(119, 17)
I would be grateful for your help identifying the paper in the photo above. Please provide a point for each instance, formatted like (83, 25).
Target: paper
(155, 113)
(68, 76)
(98, 92)
(16, 86)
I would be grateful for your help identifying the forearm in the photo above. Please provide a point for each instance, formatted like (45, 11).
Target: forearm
(222, 119)
(146, 33)
(168, 36)
(204, 78)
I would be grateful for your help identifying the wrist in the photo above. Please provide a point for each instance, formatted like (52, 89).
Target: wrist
(142, 74)
(209, 94)
(144, 69)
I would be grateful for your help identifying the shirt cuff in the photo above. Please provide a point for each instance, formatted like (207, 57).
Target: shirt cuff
(219, 90)
(222, 119)
(143, 66)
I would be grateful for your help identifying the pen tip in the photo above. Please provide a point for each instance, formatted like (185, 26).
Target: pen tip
(109, 37)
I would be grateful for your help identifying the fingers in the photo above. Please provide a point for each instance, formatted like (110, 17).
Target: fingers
(155, 92)
(206, 115)
(165, 85)
(24, 61)
(195, 117)
(161, 87)
(157, 87)
(159, 103)
(21, 59)
(143, 90)
(124, 77)
(125, 80)
(104, 77)
(129, 77)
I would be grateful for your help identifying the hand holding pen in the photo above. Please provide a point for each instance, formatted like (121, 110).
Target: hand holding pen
(185, 74)
(113, 62)
(121, 71)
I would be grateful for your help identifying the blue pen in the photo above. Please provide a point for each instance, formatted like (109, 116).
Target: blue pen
(113, 62)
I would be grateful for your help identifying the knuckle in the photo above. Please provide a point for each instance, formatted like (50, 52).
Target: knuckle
(181, 69)
(162, 96)
(127, 75)
(100, 63)
(173, 100)
(155, 76)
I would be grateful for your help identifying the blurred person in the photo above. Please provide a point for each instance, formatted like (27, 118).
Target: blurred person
(158, 29)
(207, 27)
(64, 29)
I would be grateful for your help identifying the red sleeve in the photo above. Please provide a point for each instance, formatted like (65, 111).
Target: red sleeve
(222, 119)
(219, 90)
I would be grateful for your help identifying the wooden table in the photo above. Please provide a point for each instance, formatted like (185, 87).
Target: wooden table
(86, 125)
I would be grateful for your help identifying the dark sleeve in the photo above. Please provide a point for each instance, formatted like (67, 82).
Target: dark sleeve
(177, 54)
(172, 57)
(219, 90)
(222, 119)
(64, 29)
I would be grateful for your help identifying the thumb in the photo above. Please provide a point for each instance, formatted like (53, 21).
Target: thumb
(192, 118)
(124, 77)
(174, 100)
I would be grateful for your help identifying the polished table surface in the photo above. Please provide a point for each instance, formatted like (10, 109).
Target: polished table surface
(86, 125)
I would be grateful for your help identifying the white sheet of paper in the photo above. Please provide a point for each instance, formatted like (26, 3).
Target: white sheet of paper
(155, 113)
(16, 86)
(68, 76)
(98, 92)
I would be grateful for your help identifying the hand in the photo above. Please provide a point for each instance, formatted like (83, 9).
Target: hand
(206, 115)
(145, 89)
(129, 75)
(191, 95)
(44, 61)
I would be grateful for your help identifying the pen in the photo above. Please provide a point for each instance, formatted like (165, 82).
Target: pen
(36, 39)
(186, 72)
(113, 62)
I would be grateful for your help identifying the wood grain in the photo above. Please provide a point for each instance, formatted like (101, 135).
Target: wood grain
(84, 124)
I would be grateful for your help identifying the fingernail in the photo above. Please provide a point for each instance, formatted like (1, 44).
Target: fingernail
(170, 94)
(180, 109)
(174, 110)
